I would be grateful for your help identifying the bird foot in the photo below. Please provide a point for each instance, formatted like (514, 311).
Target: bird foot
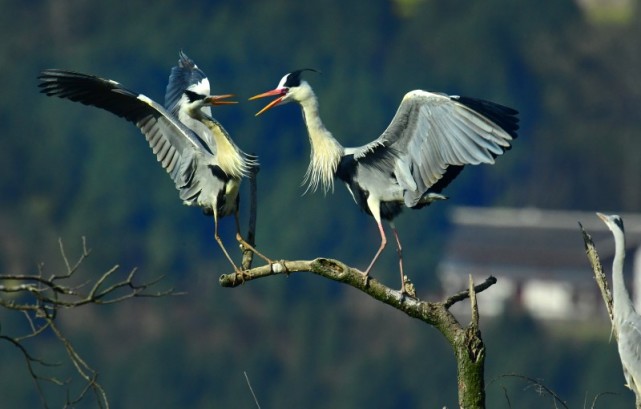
(407, 287)
(366, 277)
(239, 275)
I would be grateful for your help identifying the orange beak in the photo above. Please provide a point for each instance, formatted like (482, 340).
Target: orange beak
(281, 92)
(218, 99)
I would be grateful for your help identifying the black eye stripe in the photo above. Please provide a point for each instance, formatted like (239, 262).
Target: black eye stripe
(619, 222)
(193, 96)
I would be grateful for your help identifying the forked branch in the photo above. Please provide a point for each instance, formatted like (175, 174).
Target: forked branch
(465, 341)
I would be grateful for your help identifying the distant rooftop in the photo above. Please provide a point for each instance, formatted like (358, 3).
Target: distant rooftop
(534, 248)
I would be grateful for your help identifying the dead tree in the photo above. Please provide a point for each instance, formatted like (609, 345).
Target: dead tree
(41, 297)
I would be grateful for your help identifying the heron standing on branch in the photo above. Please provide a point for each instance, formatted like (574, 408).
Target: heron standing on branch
(430, 139)
(626, 321)
(195, 150)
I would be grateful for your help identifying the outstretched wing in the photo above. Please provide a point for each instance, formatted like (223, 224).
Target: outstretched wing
(174, 145)
(185, 76)
(432, 136)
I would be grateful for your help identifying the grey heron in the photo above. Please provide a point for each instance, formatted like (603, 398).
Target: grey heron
(626, 321)
(199, 155)
(430, 139)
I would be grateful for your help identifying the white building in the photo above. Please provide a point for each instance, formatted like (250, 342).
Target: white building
(538, 257)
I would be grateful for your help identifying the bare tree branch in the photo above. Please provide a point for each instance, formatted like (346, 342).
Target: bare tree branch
(251, 390)
(40, 297)
(490, 281)
(466, 342)
(539, 387)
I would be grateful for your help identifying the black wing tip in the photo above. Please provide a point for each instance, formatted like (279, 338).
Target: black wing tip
(54, 75)
(60, 73)
(55, 81)
(505, 117)
(49, 80)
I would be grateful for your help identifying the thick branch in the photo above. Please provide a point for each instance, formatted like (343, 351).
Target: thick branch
(466, 342)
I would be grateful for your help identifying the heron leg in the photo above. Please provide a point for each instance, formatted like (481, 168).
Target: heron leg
(222, 246)
(380, 249)
(399, 250)
(374, 206)
(245, 244)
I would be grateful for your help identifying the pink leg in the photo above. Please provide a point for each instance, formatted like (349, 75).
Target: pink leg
(220, 243)
(243, 243)
(399, 250)
(374, 205)
(380, 249)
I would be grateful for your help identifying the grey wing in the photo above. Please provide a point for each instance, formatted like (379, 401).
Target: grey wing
(185, 75)
(629, 343)
(433, 133)
(174, 145)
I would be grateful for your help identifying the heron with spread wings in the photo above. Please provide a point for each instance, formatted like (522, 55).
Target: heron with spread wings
(430, 139)
(195, 150)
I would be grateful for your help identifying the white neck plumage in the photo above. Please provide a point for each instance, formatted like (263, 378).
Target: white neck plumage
(326, 151)
(620, 295)
(230, 159)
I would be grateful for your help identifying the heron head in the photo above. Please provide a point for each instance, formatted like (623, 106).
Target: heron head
(612, 221)
(203, 100)
(290, 88)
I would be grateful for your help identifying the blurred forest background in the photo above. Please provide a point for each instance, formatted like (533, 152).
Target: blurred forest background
(573, 69)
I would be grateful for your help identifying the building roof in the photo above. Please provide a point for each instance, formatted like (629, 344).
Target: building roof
(522, 242)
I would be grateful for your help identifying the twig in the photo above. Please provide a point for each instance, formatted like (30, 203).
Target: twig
(596, 398)
(490, 281)
(251, 389)
(42, 296)
(473, 304)
(84, 370)
(541, 388)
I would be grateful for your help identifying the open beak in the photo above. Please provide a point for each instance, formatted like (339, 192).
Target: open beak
(218, 99)
(281, 92)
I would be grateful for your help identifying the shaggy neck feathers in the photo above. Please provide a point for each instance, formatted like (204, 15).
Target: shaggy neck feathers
(326, 151)
(230, 159)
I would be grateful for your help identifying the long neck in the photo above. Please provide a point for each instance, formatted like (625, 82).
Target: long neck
(229, 158)
(621, 299)
(326, 151)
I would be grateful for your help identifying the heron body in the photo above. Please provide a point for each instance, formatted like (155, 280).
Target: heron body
(195, 150)
(430, 139)
(626, 321)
